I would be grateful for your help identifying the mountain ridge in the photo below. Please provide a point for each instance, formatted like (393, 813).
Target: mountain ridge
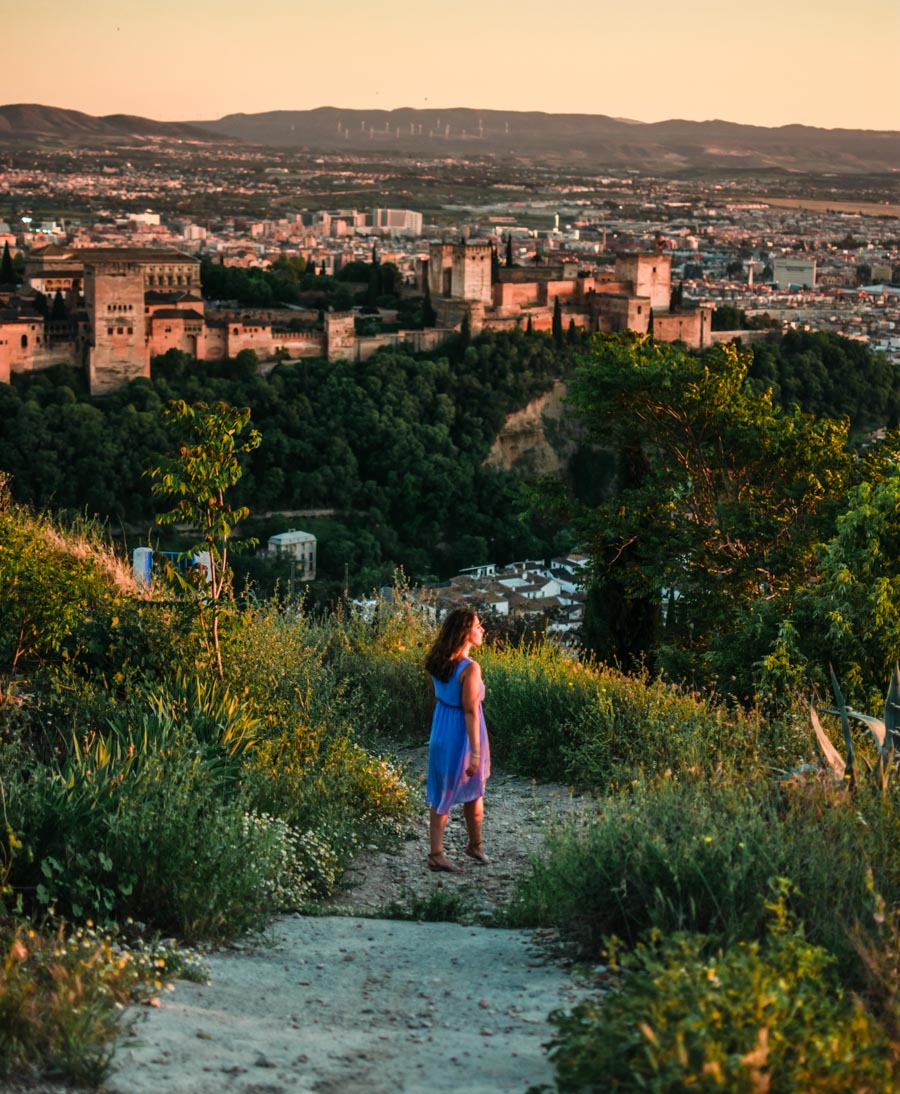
(671, 145)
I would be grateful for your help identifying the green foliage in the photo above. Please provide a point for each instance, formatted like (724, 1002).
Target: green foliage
(754, 1016)
(440, 905)
(885, 733)
(62, 995)
(199, 479)
(53, 582)
(728, 317)
(7, 273)
(557, 324)
(829, 376)
(397, 444)
(697, 855)
(855, 604)
(553, 715)
(723, 496)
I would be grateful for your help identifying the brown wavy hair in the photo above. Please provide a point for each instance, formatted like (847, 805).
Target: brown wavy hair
(441, 659)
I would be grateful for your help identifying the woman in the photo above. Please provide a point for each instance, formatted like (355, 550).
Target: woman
(459, 761)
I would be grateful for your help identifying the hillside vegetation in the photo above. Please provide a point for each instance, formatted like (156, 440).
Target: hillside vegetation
(162, 776)
(139, 788)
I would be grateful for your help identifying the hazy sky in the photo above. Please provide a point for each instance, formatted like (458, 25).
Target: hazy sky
(832, 63)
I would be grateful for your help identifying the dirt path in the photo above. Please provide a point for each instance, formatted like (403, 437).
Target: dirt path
(351, 1001)
(516, 811)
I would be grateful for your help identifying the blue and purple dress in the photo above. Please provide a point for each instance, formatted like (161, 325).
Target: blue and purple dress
(448, 750)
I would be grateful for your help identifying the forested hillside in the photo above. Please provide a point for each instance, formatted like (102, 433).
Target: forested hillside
(396, 445)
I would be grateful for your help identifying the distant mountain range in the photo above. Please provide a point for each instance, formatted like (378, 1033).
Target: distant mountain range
(32, 121)
(593, 139)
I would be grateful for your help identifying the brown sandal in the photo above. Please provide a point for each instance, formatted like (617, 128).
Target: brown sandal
(476, 851)
(445, 867)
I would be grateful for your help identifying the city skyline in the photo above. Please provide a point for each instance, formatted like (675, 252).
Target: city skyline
(698, 60)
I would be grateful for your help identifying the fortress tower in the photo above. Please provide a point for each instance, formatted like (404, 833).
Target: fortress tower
(114, 299)
(460, 271)
(650, 276)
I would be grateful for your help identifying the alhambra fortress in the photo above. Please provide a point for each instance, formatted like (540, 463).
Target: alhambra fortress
(125, 306)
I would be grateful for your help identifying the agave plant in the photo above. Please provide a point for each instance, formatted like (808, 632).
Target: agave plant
(885, 732)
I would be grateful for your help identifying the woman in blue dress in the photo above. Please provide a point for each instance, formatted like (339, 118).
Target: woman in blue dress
(459, 760)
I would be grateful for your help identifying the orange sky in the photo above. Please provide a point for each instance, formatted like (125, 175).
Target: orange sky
(832, 63)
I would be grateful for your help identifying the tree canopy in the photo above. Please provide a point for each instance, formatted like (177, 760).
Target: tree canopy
(722, 496)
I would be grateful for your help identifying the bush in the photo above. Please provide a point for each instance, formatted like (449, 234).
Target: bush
(62, 994)
(53, 581)
(698, 856)
(756, 1016)
(553, 717)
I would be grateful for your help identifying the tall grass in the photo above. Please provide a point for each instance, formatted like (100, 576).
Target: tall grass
(700, 856)
(554, 716)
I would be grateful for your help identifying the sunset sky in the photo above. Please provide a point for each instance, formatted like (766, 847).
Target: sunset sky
(831, 63)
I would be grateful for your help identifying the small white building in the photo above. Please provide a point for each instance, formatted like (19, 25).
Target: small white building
(299, 547)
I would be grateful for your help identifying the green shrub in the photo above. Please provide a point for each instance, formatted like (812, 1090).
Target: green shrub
(666, 856)
(382, 662)
(275, 655)
(62, 994)
(551, 716)
(697, 856)
(53, 581)
(200, 870)
(322, 783)
(753, 1017)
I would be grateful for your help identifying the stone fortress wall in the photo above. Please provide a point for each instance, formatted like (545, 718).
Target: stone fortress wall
(140, 303)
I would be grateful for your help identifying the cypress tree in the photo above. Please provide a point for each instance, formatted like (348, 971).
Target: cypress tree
(573, 333)
(650, 324)
(58, 311)
(509, 254)
(374, 287)
(529, 328)
(557, 327)
(465, 334)
(7, 274)
(495, 265)
(429, 315)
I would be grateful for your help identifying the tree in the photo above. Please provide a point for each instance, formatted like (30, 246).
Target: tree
(58, 312)
(529, 326)
(495, 265)
(852, 613)
(465, 333)
(729, 317)
(7, 273)
(572, 333)
(509, 250)
(429, 315)
(199, 477)
(723, 496)
(557, 325)
(373, 289)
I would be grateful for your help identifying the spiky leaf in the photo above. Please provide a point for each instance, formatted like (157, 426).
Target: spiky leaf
(828, 754)
(845, 725)
(892, 708)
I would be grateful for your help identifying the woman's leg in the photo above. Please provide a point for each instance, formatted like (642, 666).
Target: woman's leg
(474, 814)
(437, 824)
